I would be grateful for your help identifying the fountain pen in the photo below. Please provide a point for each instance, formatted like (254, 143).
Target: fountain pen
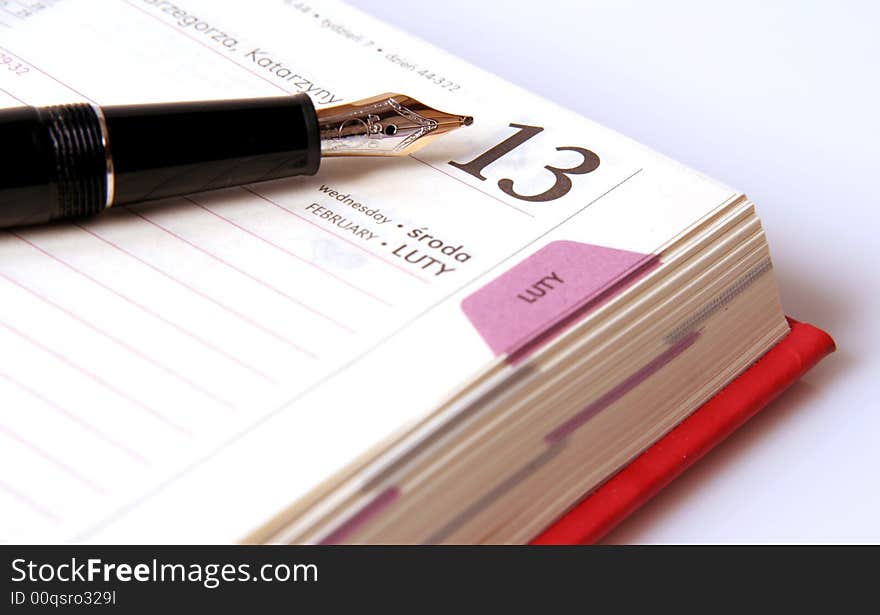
(75, 160)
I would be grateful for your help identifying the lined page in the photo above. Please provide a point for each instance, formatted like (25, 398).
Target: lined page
(179, 370)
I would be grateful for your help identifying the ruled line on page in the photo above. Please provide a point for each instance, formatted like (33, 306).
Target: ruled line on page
(44, 73)
(13, 96)
(133, 350)
(98, 379)
(281, 248)
(244, 317)
(307, 221)
(51, 459)
(77, 420)
(206, 343)
(28, 501)
(240, 271)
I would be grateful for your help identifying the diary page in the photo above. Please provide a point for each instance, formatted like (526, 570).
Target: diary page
(180, 370)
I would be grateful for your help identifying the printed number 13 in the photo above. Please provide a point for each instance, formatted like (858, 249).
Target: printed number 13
(563, 182)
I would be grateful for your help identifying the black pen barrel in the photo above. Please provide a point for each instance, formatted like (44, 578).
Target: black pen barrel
(183, 148)
(75, 160)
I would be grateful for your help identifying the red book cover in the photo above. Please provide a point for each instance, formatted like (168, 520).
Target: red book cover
(599, 512)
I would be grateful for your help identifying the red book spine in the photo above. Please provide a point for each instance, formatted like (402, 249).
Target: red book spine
(599, 512)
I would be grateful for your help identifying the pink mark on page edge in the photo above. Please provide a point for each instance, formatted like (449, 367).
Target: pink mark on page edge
(613, 395)
(358, 519)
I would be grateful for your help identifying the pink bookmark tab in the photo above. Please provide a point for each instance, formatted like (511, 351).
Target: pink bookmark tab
(562, 280)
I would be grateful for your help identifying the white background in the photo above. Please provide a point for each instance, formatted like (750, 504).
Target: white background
(781, 100)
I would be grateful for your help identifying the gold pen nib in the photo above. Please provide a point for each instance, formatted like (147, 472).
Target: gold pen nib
(384, 125)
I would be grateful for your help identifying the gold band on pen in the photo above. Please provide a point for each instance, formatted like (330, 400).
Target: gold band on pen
(108, 158)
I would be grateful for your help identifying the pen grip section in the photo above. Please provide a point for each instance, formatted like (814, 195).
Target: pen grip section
(182, 148)
(53, 164)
